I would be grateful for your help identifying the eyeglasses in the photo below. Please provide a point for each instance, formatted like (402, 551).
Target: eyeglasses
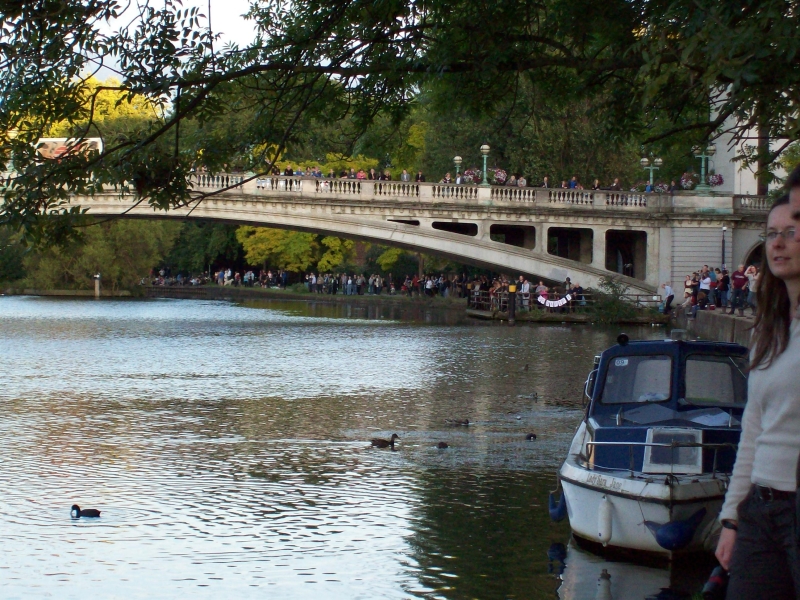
(787, 234)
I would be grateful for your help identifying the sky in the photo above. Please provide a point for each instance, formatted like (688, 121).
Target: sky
(226, 19)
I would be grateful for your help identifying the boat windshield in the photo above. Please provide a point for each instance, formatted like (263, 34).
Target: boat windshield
(631, 379)
(715, 380)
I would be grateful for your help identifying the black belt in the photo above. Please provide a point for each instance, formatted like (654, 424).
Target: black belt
(768, 494)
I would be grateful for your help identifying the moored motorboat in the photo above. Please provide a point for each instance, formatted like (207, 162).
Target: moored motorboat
(650, 462)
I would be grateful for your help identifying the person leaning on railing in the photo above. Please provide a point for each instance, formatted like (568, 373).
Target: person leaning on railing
(758, 543)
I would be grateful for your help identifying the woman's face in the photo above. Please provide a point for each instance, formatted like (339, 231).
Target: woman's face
(783, 255)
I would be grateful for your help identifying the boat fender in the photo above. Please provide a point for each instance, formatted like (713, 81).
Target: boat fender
(604, 521)
(604, 586)
(558, 509)
(676, 535)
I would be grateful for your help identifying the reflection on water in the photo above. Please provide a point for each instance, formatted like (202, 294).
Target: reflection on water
(227, 447)
(587, 576)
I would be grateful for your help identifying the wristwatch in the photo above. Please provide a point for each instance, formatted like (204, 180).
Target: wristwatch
(730, 524)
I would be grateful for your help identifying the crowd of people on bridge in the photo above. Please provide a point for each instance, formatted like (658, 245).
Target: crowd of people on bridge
(473, 175)
(314, 171)
(714, 288)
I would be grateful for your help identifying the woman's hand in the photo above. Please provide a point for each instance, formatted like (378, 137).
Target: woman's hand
(724, 553)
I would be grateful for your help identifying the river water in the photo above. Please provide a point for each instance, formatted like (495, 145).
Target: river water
(227, 446)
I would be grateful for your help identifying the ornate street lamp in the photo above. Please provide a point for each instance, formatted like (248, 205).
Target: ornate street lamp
(704, 155)
(457, 162)
(645, 162)
(724, 229)
(485, 151)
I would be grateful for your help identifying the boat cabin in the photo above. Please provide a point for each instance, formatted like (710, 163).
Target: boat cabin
(646, 393)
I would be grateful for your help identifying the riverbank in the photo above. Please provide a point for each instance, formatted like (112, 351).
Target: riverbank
(716, 326)
(541, 316)
(214, 292)
(65, 293)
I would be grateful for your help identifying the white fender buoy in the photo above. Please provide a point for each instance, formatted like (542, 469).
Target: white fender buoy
(604, 587)
(604, 521)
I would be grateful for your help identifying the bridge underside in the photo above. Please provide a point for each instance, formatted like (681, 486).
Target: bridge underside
(478, 236)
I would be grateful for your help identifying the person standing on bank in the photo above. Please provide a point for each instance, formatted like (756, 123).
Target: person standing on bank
(669, 296)
(738, 281)
(758, 544)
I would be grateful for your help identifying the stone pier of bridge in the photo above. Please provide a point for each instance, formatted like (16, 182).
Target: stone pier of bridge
(551, 234)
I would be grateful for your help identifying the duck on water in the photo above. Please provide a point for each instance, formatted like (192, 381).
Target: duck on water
(382, 443)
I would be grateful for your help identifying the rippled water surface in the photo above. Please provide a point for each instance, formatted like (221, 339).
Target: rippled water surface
(227, 446)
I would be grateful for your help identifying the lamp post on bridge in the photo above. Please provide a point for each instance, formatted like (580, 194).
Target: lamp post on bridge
(724, 229)
(457, 162)
(485, 151)
(645, 162)
(704, 155)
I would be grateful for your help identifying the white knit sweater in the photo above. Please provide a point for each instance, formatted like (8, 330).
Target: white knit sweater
(770, 442)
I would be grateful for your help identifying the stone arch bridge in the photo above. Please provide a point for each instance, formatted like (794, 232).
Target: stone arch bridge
(645, 239)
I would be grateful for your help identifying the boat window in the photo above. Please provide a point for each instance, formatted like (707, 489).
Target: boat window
(637, 379)
(680, 459)
(716, 380)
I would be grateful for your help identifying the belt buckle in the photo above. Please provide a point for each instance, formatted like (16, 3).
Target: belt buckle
(765, 493)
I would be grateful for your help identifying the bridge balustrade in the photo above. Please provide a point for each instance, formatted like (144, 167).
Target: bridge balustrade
(580, 197)
(628, 199)
(396, 189)
(454, 192)
(513, 194)
(437, 192)
(757, 204)
(219, 181)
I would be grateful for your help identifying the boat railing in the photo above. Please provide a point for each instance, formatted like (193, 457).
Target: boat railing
(716, 447)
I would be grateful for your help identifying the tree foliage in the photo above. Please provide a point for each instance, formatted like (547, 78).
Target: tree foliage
(337, 252)
(389, 258)
(202, 244)
(289, 250)
(12, 254)
(646, 70)
(123, 252)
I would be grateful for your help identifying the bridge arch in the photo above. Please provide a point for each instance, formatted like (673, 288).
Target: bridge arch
(390, 225)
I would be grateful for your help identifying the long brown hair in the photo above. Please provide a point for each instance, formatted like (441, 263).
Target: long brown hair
(771, 328)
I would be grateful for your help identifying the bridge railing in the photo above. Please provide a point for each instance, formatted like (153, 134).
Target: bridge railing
(498, 301)
(439, 193)
(752, 204)
(491, 301)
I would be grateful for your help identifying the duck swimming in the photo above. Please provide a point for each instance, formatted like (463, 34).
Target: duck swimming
(76, 512)
(442, 445)
(530, 437)
(464, 422)
(381, 443)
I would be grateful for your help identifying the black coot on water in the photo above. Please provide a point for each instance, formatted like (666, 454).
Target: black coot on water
(77, 513)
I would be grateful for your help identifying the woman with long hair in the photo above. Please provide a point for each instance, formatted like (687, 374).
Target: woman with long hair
(758, 543)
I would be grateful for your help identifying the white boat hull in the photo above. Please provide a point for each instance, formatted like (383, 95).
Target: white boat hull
(611, 508)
